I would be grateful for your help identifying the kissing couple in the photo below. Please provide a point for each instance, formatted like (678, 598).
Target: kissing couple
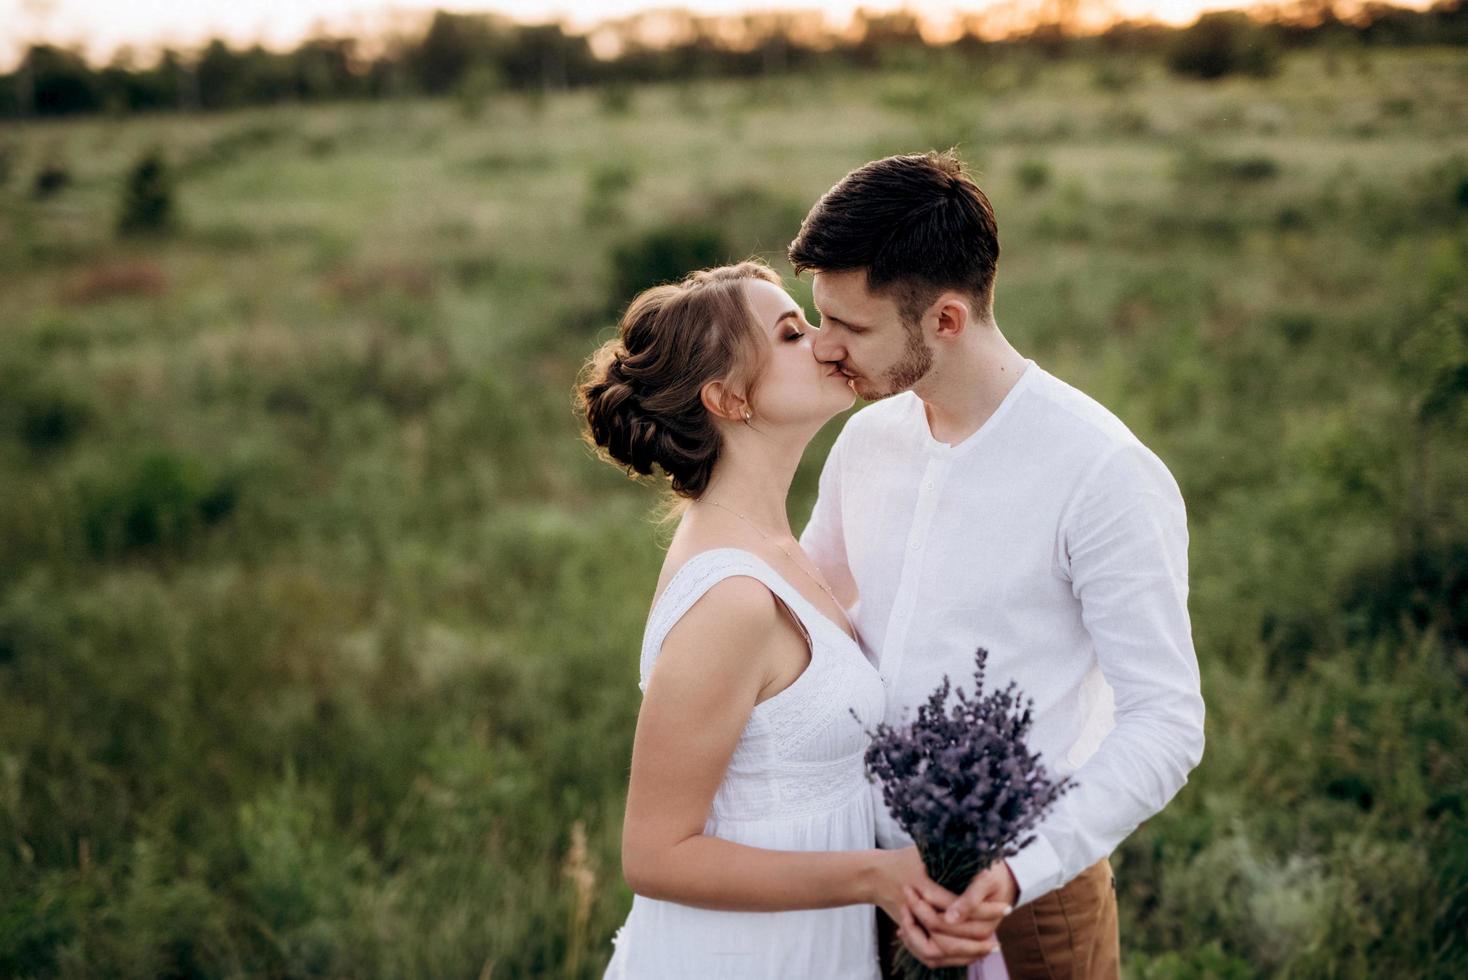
(979, 501)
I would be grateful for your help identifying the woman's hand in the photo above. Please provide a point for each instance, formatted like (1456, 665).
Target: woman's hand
(903, 890)
(896, 871)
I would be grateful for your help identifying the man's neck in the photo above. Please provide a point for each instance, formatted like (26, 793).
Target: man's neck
(971, 385)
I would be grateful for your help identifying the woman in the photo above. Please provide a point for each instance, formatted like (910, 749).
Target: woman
(749, 833)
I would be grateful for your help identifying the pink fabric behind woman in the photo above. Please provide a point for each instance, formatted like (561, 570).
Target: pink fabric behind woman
(990, 967)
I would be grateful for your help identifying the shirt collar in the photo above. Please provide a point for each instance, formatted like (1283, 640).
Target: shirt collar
(919, 419)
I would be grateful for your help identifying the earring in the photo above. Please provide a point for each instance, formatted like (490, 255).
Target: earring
(746, 416)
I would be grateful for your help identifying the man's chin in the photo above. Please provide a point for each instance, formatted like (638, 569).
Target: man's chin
(867, 391)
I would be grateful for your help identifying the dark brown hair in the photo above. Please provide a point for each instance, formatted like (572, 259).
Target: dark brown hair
(640, 392)
(918, 224)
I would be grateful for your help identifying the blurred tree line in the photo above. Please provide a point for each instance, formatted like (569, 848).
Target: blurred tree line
(477, 54)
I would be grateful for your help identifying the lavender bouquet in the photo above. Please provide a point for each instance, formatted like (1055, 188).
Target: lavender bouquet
(962, 783)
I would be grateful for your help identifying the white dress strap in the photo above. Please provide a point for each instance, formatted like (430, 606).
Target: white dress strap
(696, 576)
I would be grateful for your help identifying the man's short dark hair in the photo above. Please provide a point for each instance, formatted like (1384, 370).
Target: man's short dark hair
(917, 223)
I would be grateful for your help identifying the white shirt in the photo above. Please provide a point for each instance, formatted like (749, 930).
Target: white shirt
(1052, 537)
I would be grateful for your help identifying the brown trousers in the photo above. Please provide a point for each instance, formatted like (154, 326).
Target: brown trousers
(1068, 934)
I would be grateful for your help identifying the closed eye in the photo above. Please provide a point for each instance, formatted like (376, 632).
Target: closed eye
(842, 324)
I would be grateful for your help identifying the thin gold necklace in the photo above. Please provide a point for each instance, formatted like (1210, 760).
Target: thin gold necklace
(783, 551)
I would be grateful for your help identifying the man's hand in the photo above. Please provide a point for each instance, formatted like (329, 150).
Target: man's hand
(994, 884)
(964, 932)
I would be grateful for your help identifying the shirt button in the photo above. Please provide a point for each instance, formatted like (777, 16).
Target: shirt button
(928, 485)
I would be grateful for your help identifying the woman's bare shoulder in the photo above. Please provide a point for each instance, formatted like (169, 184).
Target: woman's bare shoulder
(734, 604)
(739, 610)
(722, 643)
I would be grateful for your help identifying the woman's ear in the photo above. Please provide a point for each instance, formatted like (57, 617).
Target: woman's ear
(722, 402)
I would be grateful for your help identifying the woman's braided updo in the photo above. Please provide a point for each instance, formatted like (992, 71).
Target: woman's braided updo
(640, 392)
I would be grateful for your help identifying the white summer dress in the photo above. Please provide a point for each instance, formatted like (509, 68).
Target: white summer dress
(795, 783)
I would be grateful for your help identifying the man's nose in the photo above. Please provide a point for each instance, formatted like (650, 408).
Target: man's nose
(825, 347)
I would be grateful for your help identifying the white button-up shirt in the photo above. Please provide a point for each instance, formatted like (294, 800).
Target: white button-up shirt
(1052, 537)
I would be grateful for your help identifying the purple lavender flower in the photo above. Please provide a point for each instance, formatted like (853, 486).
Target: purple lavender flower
(962, 783)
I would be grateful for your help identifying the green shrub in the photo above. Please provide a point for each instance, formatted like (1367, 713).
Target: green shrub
(1248, 169)
(42, 409)
(147, 197)
(1445, 186)
(1298, 328)
(1224, 43)
(754, 218)
(51, 179)
(1032, 175)
(234, 146)
(1397, 107)
(615, 99)
(1116, 74)
(161, 500)
(479, 84)
(607, 185)
(1401, 595)
(53, 419)
(663, 255)
(1206, 962)
(1195, 165)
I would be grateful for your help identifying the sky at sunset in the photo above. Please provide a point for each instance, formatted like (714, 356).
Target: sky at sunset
(102, 26)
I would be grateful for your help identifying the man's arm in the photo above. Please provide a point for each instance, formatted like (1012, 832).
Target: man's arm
(1124, 546)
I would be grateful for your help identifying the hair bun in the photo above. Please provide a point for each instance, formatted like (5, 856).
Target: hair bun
(635, 436)
(640, 392)
(615, 415)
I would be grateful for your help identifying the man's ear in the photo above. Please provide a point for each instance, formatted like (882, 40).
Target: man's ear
(954, 314)
(721, 401)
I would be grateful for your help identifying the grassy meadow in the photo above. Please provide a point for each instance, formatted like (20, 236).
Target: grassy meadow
(319, 624)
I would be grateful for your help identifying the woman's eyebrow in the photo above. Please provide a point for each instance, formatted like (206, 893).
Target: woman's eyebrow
(785, 316)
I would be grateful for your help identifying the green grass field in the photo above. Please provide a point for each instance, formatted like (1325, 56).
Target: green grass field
(318, 623)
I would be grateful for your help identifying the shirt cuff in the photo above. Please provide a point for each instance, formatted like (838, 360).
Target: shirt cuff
(1036, 870)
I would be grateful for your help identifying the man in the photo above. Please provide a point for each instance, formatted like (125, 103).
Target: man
(981, 501)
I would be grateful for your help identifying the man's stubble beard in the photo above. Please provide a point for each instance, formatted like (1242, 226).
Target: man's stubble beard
(912, 367)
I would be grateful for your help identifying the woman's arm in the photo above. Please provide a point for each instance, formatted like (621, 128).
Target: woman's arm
(713, 667)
